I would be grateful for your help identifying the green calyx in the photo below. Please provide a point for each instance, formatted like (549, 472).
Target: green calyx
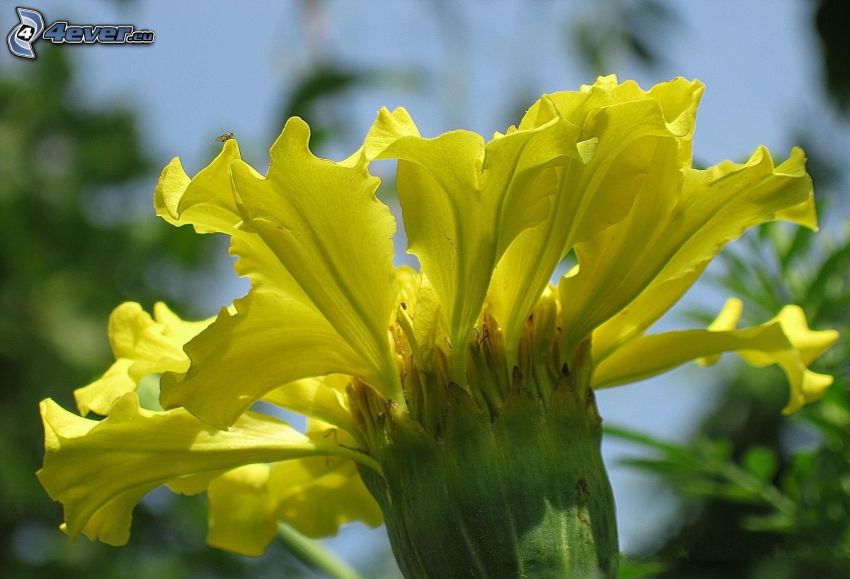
(512, 490)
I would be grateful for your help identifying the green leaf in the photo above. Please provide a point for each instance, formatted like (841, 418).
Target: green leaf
(761, 462)
(633, 568)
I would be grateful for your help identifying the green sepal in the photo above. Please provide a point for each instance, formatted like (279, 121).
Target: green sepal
(520, 494)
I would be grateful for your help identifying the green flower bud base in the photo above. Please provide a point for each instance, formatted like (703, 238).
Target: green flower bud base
(518, 493)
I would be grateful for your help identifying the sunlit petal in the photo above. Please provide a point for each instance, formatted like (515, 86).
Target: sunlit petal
(785, 340)
(465, 201)
(318, 495)
(100, 470)
(274, 335)
(324, 223)
(142, 345)
(323, 398)
(205, 201)
(629, 129)
(678, 223)
(238, 510)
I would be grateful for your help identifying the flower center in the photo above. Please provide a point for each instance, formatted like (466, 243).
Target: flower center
(491, 370)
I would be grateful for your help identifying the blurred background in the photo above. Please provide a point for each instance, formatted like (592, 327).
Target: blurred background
(710, 479)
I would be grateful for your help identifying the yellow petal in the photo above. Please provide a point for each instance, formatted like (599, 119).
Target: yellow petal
(727, 319)
(324, 398)
(625, 124)
(100, 395)
(174, 327)
(678, 223)
(100, 470)
(678, 97)
(142, 345)
(642, 312)
(239, 520)
(270, 340)
(317, 496)
(647, 356)
(206, 201)
(808, 345)
(786, 341)
(275, 330)
(324, 223)
(419, 317)
(192, 484)
(409, 281)
(314, 495)
(464, 202)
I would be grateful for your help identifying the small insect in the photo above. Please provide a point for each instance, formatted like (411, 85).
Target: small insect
(226, 137)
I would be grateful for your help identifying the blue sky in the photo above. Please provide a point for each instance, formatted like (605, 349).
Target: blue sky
(224, 66)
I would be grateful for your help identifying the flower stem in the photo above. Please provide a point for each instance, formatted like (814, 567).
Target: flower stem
(314, 555)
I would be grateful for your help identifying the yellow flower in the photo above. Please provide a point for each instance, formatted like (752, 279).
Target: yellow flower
(331, 329)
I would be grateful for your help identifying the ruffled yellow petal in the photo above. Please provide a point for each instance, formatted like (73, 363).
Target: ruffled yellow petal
(807, 346)
(100, 470)
(280, 319)
(142, 345)
(324, 223)
(276, 314)
(206, 201)
(678, 223)
(810, 344)
(629, 130)
(315, 495)
(674, 281)
(277, 329)
(785, 340)
(464, 202)
(238, 517)
(176, 328)
(678, 97)
(274, 336)
(100, 395)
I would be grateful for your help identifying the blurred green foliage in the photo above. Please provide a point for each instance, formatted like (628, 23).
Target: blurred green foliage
(832, 21)
(328, 83)
(618, 29)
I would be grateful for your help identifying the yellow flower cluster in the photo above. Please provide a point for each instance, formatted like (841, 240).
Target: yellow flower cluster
(604, 172)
